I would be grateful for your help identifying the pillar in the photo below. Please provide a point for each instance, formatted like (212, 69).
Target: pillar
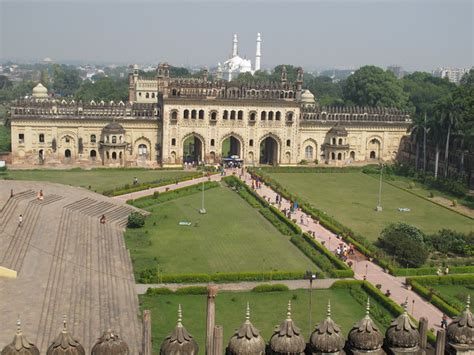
(211, 318)
(218, 341)
(146, 332)
(440, 342)
(423, 330)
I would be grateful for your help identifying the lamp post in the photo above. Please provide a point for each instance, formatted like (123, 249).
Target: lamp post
(379, 205)
(203, 209)
(309, 275)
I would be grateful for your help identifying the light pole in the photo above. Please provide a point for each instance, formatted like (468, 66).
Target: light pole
(203, 209)
(379, 206)
(310, 276)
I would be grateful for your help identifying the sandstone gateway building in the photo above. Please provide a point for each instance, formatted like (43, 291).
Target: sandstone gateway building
(169, 121)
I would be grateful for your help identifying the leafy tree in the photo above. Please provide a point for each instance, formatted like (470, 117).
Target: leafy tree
(372, 86)
(325, 90)
(179, 72)
(449, 241)
(105, 88)
(136, 220)
(406, 243)
(5, 83)
(66, 80)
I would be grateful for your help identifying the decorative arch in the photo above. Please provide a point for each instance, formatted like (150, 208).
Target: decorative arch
(197, 152)
(269, 149)
(234, 148)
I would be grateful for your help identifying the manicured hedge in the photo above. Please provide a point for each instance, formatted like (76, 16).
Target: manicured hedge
(270, 288)
(188, 290)
(316, 169)
(433, 299)
(155, 291)
(430, 270)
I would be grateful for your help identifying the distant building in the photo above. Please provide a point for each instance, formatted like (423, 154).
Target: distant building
(454, 75)
(235, 64)
(397, 71)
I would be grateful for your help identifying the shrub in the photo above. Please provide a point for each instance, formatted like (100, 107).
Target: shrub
(192, 290)
(270, 288)
(156, 194)
(411, 185)
(136, 220)
(454, 203)
(153, 291)
(449, 241)
(303, 162)
(431, 194)
(405, 243)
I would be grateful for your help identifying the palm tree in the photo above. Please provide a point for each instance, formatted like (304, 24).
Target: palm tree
(436, 137)
(416, 134)
(450, 119)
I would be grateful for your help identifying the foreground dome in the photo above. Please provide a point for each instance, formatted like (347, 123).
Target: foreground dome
(461, 329)
(402, 333)
(65, 344)
(247, 339)
(40, 92)
(365, 335)
(327, 337)
(20, 345)
(307, 97)
(179, 342)
(287, 338)
(110, 344)
(113, 128)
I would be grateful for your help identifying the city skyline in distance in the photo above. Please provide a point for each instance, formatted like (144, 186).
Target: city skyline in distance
(418, 35)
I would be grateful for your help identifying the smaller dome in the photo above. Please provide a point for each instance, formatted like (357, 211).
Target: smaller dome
(39, 91)
(338, 131)
(402, 333)
(461, 329)
(113, 128)
(327, 337)
(287, 337)
(110, 344)
(307, 97)
(247, 339)
(65, 344)
(20, 345)
(365, 335)
(179, 342)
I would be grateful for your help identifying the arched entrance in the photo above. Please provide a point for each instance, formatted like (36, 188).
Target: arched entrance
(231, 146)
(374, 147)
(41, 156)
(269, 151)
(67, 153)
(192, 149)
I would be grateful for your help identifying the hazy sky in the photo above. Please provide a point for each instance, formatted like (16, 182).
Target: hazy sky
(416, 34)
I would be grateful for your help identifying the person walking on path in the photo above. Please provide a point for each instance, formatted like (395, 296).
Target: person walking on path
(444, 321)
(20, 220)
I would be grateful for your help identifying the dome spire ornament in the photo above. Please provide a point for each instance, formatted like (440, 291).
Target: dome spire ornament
(460, 334)
(20, 345)
(110, 343)
(247, 339)
(65, 343)
(287, 337)
(402, 335)
(179, 342)
(365, 335)
(327, 336)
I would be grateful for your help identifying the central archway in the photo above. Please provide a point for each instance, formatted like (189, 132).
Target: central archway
(269, 151)
(192, 149)
(231, 146)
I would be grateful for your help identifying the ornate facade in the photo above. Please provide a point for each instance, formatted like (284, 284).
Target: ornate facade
(169, 121)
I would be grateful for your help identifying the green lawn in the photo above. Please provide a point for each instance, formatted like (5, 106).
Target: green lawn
(267, 310)
(100, 180)
(455, 295)
(231, 237)
(352, 197)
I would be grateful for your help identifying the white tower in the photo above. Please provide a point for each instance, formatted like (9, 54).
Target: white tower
(235, 46)
(258, 54)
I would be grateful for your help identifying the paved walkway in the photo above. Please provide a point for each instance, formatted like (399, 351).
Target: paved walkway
(361, 266)
(244, 285)
(178, 185)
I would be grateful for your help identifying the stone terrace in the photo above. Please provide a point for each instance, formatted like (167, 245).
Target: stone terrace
(67, 263)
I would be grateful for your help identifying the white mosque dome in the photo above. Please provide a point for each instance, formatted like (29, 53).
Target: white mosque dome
(307, 97)
(40, 92)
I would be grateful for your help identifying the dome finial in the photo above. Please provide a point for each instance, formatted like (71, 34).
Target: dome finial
(180, 316)
(64, 323)
(367, 308)
(405, 306)
(468, 302)
(18, 325)
(288, 313)
(247, 313)
(329, 308)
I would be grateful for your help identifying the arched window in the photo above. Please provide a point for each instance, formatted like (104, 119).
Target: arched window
(107, 155)
(186, 114)
(114, 156)
(93, 138)
(174, 92)
(288, 143)
(213, 142)
(270, 116)
(67, 153)
(339, 156)
(147, 96)
(333, 156)
(173, 141)
(213, 116)
(174, 115)
(225, 115)
(308, 152)
(240, 115)
(41, 138)
(334, 141)
(114, 139)
(252, 116)
(372, 155)
(93, 154)
(142, 150)
(278, 116)
(201, 114)
(263, 115)
(352, 154)
(290, 116)
(251, 142)
(193, 114)
(152, 95)
(232, 115)
(340, 141)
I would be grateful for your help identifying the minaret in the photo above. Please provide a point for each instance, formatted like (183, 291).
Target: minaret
(258, 54)
(235, 50)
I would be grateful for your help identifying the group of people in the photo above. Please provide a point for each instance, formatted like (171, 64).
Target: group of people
(343, 251)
